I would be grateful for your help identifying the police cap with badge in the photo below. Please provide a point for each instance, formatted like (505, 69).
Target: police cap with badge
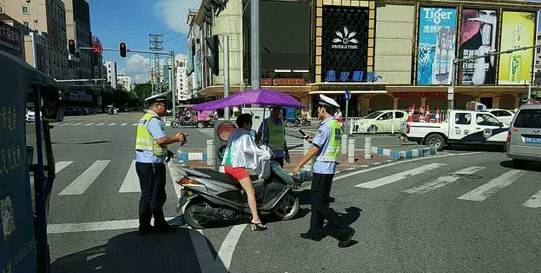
(329, 102)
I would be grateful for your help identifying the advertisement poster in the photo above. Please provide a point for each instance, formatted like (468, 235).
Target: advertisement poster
(437, 43)
(345, 40)
(517, 31)
(478, 37)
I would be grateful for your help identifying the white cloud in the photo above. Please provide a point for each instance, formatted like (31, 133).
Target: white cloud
(137, 68)
(175, 13)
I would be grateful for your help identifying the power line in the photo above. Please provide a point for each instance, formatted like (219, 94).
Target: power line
(155, 43)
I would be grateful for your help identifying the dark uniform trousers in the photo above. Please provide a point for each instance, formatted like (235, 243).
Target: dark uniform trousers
(152, 181)
(320, 195)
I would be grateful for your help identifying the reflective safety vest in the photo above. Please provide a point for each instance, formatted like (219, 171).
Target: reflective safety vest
(144, 140)
(332, 153)
(276, 135)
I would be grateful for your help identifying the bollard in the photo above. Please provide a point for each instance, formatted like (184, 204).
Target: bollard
(210, 152)
(351, 150)
(368, 148)
(344, 147)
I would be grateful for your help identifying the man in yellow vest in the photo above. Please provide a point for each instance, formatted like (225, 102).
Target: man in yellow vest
(326, 151)
(273, 134)
(151, 152)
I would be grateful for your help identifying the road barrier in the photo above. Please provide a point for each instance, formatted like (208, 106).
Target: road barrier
(351, 150)
(367, 148)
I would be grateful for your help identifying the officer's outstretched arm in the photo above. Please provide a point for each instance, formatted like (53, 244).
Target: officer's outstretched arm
(179, 137)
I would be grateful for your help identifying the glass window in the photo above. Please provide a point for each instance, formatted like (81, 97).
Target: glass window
(487, 120)
(386, 116)
(528, 118)
(24, 10)
(374, 115)
(399, 114)
(463, 118)
(501, 113)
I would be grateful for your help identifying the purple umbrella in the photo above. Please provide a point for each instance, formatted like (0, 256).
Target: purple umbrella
(265, 97)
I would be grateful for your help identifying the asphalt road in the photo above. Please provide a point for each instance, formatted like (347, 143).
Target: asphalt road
(462, 211)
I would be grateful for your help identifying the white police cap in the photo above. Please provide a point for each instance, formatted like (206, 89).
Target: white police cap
(324, 100)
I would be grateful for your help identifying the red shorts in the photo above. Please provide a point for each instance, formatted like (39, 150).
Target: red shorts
(238, 173)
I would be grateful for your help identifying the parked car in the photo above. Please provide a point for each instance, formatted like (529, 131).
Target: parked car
(462, 127)
(503, 115)
(524, 137)
(384, 121)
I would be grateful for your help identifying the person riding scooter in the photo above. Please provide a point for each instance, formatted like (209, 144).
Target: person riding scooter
(242, 153)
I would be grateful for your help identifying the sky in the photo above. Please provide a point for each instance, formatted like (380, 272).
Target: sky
(130, 21)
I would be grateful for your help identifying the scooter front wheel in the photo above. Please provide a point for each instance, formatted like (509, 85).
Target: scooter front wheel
(174, 124)
(189, 216)
(287, 208)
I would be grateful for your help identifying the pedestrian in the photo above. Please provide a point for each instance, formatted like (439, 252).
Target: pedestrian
(151, 152)
(273, 134)
(326, 151)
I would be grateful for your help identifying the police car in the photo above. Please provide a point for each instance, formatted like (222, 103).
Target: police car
(461, 127)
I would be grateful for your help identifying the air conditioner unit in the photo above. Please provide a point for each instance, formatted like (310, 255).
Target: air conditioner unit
(35, 20)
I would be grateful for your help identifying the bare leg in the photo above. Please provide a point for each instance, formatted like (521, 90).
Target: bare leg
(246, 184)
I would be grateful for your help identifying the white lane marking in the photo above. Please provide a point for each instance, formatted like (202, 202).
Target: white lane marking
(400, 162)
(485, 191)
(75, 124)
(173, 172)
(443, 181)
(207, 264)
(94, 226)
(534, 201)
(88, 124)
(399, 176)
(60, 165)
(131, 181)
(100, 124)
(124, 124)
(64, 124)
(225, 254)
(81, 183)
(135, 124)
(111, 124)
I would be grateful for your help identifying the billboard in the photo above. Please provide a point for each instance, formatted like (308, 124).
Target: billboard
(517, 31)
(437, 43)
(345, 39)
(478, 37)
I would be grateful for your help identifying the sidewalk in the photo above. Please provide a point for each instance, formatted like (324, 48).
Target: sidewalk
(296, 157)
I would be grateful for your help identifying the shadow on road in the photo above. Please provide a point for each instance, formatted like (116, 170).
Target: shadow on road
(131, 252)
(527, 166)
(81, 143)
(475, 148)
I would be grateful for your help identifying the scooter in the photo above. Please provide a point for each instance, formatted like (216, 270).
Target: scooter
(211, 198)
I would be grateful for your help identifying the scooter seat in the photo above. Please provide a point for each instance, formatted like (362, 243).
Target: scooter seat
(219, 176)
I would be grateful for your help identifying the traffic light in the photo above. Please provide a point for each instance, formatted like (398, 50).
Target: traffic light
(71, 47)
(213, 44)
(123, 50)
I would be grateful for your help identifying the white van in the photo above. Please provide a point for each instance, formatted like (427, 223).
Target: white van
(524, 137)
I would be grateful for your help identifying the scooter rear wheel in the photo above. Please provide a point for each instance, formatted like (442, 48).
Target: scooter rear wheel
(287, 208)
(189, 216)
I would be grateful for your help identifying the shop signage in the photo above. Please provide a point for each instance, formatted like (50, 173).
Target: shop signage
(420, 94)
(10, 39)
(283, 82)
(345, 40)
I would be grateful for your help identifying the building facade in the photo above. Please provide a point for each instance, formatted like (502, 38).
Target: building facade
(48, 19)
(78, 29)
(124, 82)
(111, 69)
(387, 53)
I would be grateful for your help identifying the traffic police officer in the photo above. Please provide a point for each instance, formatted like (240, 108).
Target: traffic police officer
(326, 150)
(151, 152)
(273, 133)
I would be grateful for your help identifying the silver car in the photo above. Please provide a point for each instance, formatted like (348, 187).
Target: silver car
(524, 137)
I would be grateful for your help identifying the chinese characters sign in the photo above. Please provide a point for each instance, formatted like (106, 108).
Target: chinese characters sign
(478, 37)
(437, 42)
(517, 31)
(10, 39)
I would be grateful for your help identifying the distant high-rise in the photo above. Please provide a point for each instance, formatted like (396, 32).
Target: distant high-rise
(112, 77)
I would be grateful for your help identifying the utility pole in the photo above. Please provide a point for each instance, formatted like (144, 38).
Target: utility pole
(155, 44)
(226, 73)
(255, 45)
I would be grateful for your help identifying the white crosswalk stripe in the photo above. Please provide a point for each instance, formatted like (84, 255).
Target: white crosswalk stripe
(124, 124)
(443, 181)
(174, 177)
(485, 191)
(88, 124)
(75, 124)
(111, 124)
(131, 181)
(100, 124)
(81, 183)
(135, 124)
(534, 201)
(60, 165)
(64, 124)
(399, 176)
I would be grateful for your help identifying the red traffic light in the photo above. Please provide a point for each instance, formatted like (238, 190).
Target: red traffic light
(71, 47)
(123, 49)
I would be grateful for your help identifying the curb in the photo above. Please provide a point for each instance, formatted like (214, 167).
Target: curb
(404, 154)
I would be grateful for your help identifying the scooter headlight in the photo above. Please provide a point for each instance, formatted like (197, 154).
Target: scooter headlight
(186, 181)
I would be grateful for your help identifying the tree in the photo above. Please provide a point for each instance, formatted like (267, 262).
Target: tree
(143, 90)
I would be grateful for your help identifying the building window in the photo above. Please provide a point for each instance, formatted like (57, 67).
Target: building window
(24, 10)
(1, 9)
